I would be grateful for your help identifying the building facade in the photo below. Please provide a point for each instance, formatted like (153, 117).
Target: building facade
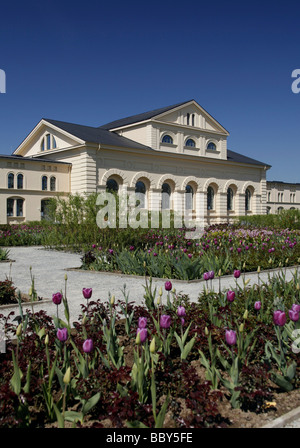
(282, 196)
(176, 156)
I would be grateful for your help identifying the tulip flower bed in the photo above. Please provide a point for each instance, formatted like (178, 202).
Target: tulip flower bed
(222, 248)
(22, 234)
(229, 359)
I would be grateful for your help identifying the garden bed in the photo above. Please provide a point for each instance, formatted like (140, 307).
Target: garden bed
(219, 363)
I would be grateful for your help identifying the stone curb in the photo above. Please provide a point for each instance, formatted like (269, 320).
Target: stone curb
(280, 422)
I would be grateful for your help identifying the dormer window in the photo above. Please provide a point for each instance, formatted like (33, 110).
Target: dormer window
(167, 139)
(211, 146)
(190, 142)
(48, 142)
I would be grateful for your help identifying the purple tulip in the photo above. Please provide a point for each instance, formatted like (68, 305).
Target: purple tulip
(168, 286)
(62, 334)
(230, 296)
(279, 318)
(257, 305)
(87, 293)
(206, 276)
(142, 322)
(211, 274)
(165, 321)
(182, 321)
(88, 346)
(143, 334)
(236, 273)
(57, 298)
(230, 337)
(181, 311)
(110, 251)
(294, 315)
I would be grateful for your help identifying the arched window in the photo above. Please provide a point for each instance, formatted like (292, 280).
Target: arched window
(188, 119)
(53, 142)
(140, 191)
(229, 199)
(10, 180)
(210, 198)
(268, 210)
(48, 142)
(211, 146)
(165, 196)
(247, 200)
(53, 183)
(43, 145)
(10, 207)
(167, 139)
(269, 196)
(189, 197)
(193, 119)
(279, 210)
(20, 181)
(190, 142)
(112, 185)
(44, 183)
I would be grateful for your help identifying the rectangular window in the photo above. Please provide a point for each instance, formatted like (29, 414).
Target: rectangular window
(10, 207)
(20, 207)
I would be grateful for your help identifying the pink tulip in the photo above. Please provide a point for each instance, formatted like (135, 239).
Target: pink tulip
(206, 276)
(236, 273)
(230, 337)
(143, 334)
(62, 334)
(165, 321)
(142, 322)
(294, 315)
(257, 305)
(181, 311)
(88, 346)
(296, 307)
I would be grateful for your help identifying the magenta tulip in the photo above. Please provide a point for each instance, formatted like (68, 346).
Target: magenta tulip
(57, 298)
(279, 318)
(206, 276)
(296, 307)
(143, 334)
(211, 274)
(142, 322)
(230, 296)
(88, 346)
(62, 334)
(257, 305)
(230, 337)
(165, 321)
(87, 293)
(168, 286)
(236, 273)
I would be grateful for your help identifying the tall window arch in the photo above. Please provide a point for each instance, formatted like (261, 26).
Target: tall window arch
(44, 183)
(53, 183)
(189, 197)
(210, 198)
(167, 139)
(165, 196)
(20, 179)
(48, 142)
(188, 119)
(112, 185)
(248, 200)
(140, 191)
(10, 207)
(212, 146)
(10, 180)
(229, 199)
(193, 119)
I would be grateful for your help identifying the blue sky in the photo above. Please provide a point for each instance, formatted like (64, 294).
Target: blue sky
(93, 62)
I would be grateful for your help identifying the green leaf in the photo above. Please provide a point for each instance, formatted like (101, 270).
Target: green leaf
(161, 416)
(282, 382)
(16, 378)
(136, 424)
(59, 417)
(188, 347)
(91, 403)
(73, 416)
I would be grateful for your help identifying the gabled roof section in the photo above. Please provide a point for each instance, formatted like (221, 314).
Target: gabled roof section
(240, 158)
(90, 134)
(140, 117)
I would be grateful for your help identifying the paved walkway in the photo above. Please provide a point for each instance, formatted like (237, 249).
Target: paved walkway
(49, 269)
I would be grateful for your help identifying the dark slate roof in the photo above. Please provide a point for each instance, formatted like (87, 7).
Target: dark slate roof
(96, 135)
(140, 117)
(239, 158)
(31, 159)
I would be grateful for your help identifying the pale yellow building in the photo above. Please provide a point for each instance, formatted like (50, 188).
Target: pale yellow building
(177, 156)
(282, 196)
